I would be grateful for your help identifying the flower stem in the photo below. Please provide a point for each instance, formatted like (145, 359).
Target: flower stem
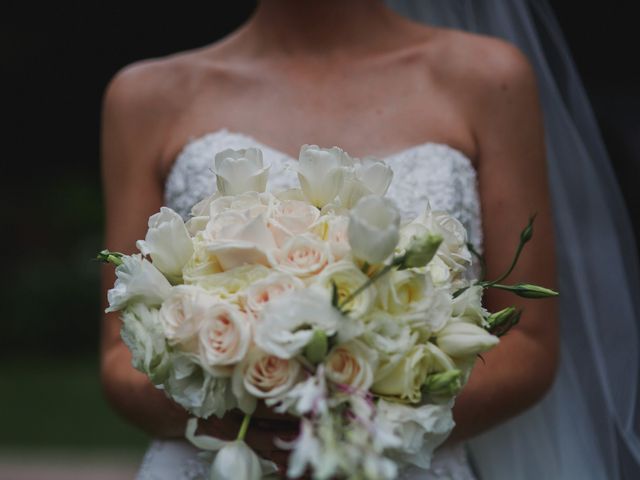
(244, 427)
(366, 284)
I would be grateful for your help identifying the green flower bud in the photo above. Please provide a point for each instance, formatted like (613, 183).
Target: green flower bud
(107, 256)
(446, 384)
(501, 322)
(527, 290)
(316, 350)
(420, 251)
(527, 233)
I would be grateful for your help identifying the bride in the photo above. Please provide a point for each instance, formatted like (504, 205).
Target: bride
(456, 115)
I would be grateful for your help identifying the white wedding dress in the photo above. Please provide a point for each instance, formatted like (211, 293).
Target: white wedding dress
(428, 172)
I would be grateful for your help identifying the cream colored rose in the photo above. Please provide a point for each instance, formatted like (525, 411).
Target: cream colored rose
(263, 375)
(321, 173)
(167, 243)
(182, 314)
(224, 338)
(467, 306)
(202, 263)
(351, 364)
(387, 335)
(347, 278)
(239, 171)
(402, 376)
(332, 229)
(303, 256)
(230, 285)
(373, 229)
(291, 218)
(260, 293)
(461, 339)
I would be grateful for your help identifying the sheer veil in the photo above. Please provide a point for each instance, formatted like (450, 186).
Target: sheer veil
(587, 426)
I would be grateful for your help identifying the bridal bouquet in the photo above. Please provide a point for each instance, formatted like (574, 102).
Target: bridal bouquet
(318, 301)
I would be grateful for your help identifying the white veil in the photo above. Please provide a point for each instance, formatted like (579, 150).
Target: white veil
(586, 427)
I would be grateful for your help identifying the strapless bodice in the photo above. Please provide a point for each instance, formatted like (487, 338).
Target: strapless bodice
(430, 172)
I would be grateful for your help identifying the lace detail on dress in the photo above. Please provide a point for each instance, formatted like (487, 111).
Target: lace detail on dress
(430, 172)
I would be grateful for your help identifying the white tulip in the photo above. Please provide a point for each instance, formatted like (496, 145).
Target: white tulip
(368, 177)
(461, 339)
(321, 173)
(138, 281)
(240, 171)
(373, 229)
(167, 243)
(287, 323)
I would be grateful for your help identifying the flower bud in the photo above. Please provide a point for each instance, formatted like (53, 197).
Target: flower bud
(461, 339)
(445, 384)
(316, 350)
(420, 251)
(501, 322)
(527, 290)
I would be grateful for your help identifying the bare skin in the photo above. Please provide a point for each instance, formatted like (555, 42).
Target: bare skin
(360, 77)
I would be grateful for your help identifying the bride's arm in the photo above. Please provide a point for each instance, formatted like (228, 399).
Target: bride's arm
(132, 138)
(513, 185)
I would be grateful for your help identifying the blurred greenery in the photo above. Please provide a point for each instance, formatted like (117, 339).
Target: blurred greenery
(59, 404)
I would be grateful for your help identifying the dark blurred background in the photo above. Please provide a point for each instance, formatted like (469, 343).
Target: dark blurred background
(56, 61)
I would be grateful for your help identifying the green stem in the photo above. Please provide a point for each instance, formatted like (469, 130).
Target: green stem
(244, 427)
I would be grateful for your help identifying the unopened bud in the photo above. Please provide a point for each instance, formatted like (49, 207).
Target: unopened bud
(445, 384)
(107, 256)
(420, 251)
(316, 350)
(527, 290)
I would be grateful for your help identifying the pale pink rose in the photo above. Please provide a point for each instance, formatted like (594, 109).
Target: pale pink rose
(260, 293)
(304, 256)
(224, 338)
(182, 315)
(290, 218)
(351, 364)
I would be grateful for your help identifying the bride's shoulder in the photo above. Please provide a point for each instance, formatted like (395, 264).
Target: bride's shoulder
(479, 63)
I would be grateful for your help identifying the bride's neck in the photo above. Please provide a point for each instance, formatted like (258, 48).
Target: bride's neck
(319, 26)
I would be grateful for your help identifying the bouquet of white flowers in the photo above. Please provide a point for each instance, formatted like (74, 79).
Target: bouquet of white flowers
(317, 301)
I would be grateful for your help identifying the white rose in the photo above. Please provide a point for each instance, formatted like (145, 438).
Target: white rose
(249, 205)
(303, 256)
(236, 461)
(461, 339)
(422, 429)
(202, 263)
(230, 285)
(453, 250)
(197, 391)
(402, 375)
(287, 323)
(347, 278)
(142, 333)
(368, 177)
(167, 243)
(351, 364)
(239, 171)
(249, 243)
(373, 229)
(262, 375)
(182, 313)
(260, 293)
(291, 218)
(224, 338)
(332, 229)
(321, 173)
(137, 281)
